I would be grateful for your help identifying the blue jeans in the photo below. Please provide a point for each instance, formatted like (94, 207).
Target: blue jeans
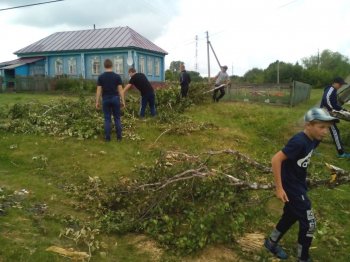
(148, 99)
(111, 106)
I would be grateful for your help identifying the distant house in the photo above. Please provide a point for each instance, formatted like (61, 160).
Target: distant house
(80, 54)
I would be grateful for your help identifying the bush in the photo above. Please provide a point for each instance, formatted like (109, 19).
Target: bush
(75, 85)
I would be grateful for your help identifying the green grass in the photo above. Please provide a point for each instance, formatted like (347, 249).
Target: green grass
(258, 130)
(12, 98)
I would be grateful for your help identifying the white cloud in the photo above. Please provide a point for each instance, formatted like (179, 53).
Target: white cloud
(255, 33)
(244, 33)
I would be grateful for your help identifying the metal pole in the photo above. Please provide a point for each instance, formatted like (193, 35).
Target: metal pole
(196, 64)
(208, 56)
(278, 72)
(217, 60)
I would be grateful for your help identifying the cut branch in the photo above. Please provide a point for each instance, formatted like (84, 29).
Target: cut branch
(239, 155)
(342, 177)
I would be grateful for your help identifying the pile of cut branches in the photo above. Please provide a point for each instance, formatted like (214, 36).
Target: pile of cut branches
(79, 118)
(63, 118)
(186, 201)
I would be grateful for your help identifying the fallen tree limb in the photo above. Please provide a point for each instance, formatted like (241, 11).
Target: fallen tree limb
(186, 175)
(164, 132)
(343, 177)
(244, 157)
(69, 253)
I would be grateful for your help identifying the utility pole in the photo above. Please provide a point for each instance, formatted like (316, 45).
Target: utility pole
(208, 43)
(212, 49)
(278, 72)
(196, 63)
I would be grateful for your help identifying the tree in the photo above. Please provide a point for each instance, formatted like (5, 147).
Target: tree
(175, 66)
(287, 72)
(173, 73)
(321, 69)
(254, 75)
(169, 76)
(195, 76)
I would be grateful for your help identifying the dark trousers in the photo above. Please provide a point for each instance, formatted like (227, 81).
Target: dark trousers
(184, 91)
(336, 138)
(111, 106)
(298, 209)
(222, 93)
(149, 99)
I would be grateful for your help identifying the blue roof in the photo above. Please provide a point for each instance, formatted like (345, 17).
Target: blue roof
(106, 38)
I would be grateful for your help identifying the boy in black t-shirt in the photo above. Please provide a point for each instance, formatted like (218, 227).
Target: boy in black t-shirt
(109, 84)
(141, 82)
(289, 168)
(185, 80)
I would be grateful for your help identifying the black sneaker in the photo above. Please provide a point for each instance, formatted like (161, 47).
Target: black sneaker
(275, 249)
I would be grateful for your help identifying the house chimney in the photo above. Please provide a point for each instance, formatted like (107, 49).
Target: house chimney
(94, 27)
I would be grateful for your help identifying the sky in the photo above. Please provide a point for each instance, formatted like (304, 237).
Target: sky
(244, 34)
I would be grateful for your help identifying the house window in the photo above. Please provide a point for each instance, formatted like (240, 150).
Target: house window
(119, 64)
(150, 66)
(59, 66)
(37, 69)
(142, 64)
(96, 65)
(72, 66)
(157, 67)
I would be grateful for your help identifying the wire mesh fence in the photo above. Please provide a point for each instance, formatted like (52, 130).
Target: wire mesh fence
(283, 94)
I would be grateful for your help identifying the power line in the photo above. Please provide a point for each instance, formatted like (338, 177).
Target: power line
(20, 6)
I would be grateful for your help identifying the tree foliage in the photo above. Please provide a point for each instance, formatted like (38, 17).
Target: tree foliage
(317, 70)
(173, 73)
(322, 68)
(254, 75)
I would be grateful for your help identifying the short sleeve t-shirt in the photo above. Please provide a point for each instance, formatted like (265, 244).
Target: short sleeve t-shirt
(109, 82)
(221, 78)
(141, 82)
(299, 150)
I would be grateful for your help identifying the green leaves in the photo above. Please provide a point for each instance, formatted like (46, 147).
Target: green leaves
(186, 214)
(64, 118)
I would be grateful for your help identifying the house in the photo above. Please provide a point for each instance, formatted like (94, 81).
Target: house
(80, 54)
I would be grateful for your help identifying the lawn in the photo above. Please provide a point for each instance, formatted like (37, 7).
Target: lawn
(43, 166)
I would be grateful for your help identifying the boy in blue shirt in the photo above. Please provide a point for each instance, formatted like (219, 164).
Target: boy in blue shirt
(109, 85)
(330, 102)
(289, 168)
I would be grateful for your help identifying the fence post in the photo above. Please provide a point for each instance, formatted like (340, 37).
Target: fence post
(292, 94)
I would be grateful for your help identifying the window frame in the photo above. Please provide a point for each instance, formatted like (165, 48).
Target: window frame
(150, 63)
(72, 64)
(119, 69)
(59, 66)
(157, 67)
(142, 66)
(95, 70)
